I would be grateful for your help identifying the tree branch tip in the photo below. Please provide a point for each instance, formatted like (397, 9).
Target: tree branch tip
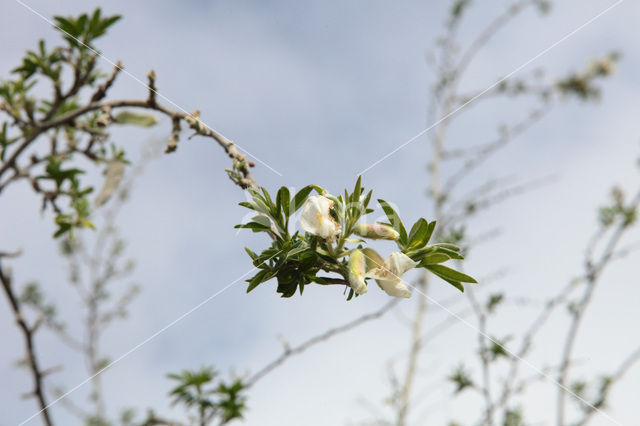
(16, 253)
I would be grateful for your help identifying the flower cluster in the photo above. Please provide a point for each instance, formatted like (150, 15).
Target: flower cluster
(332, 224)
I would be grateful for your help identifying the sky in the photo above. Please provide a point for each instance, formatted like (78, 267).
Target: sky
(317, 92)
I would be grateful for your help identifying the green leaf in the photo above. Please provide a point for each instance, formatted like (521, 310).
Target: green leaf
(456, 284)
(418, 234)
(434, 258)
(135, 118)
(268, 202)
(366, 200)
(257, 279)
(247, 205)
(395, 221)
(301, 197)
(419, 254)
(105, 24)
(259, 203)
(448, 246)
(430, 229)
(251, 254)
(355, 195)
(66, 26)
(287, 283)
(257, 227)
(94, 23)
(351, 293)
(282, 201)
(446, 272)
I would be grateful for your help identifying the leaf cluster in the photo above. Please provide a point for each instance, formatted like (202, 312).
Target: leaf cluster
(210, 397)
(617, 211)
(295, 260)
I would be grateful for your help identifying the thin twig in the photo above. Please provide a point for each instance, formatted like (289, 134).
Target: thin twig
(593, 271)
(289, 352)
(27, 333)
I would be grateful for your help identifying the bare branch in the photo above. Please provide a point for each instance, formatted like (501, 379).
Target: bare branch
(104, 87)
(289, 352)
(492, 147)
(492, 29)
(619, 373)
(404, 393)
(241, 173)
(27, 334)
(593, 271)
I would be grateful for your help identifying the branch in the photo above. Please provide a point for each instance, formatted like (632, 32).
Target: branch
(611, 380)
(404, 395)
(481, 315)
(492, 29)
(491, 147)
(241, 174)
(317, 339)
(509, 387)
(593, 271)
(467, 207)
(27, 332)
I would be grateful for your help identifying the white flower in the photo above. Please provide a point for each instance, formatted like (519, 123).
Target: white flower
(356, 272)
(316, 220)
(388, 275)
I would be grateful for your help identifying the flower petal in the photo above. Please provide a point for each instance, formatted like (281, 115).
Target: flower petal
(356, 272)
(399, 263)
(395, 288)
(316, 219)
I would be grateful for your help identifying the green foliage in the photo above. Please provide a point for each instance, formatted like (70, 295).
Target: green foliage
(513, 417)
(618, 211)
(497, 349)
(583, 84)
(84, 29)
(127, 417)
(67, 183)
(33, 297)
(40, 61)
(295, 260)
(207, 396)
(56, 174)
(458, 7)
(461, 378)
(578, 388)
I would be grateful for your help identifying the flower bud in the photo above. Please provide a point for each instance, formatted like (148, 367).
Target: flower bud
(376, 231)
(356, 272)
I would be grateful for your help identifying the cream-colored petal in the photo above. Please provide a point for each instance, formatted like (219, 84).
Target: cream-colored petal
(358, 284)
(395, 288)
(380, 274)
(316, 219)
(388, 276)
(356, 272)
(394, 267)
(399, 263)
